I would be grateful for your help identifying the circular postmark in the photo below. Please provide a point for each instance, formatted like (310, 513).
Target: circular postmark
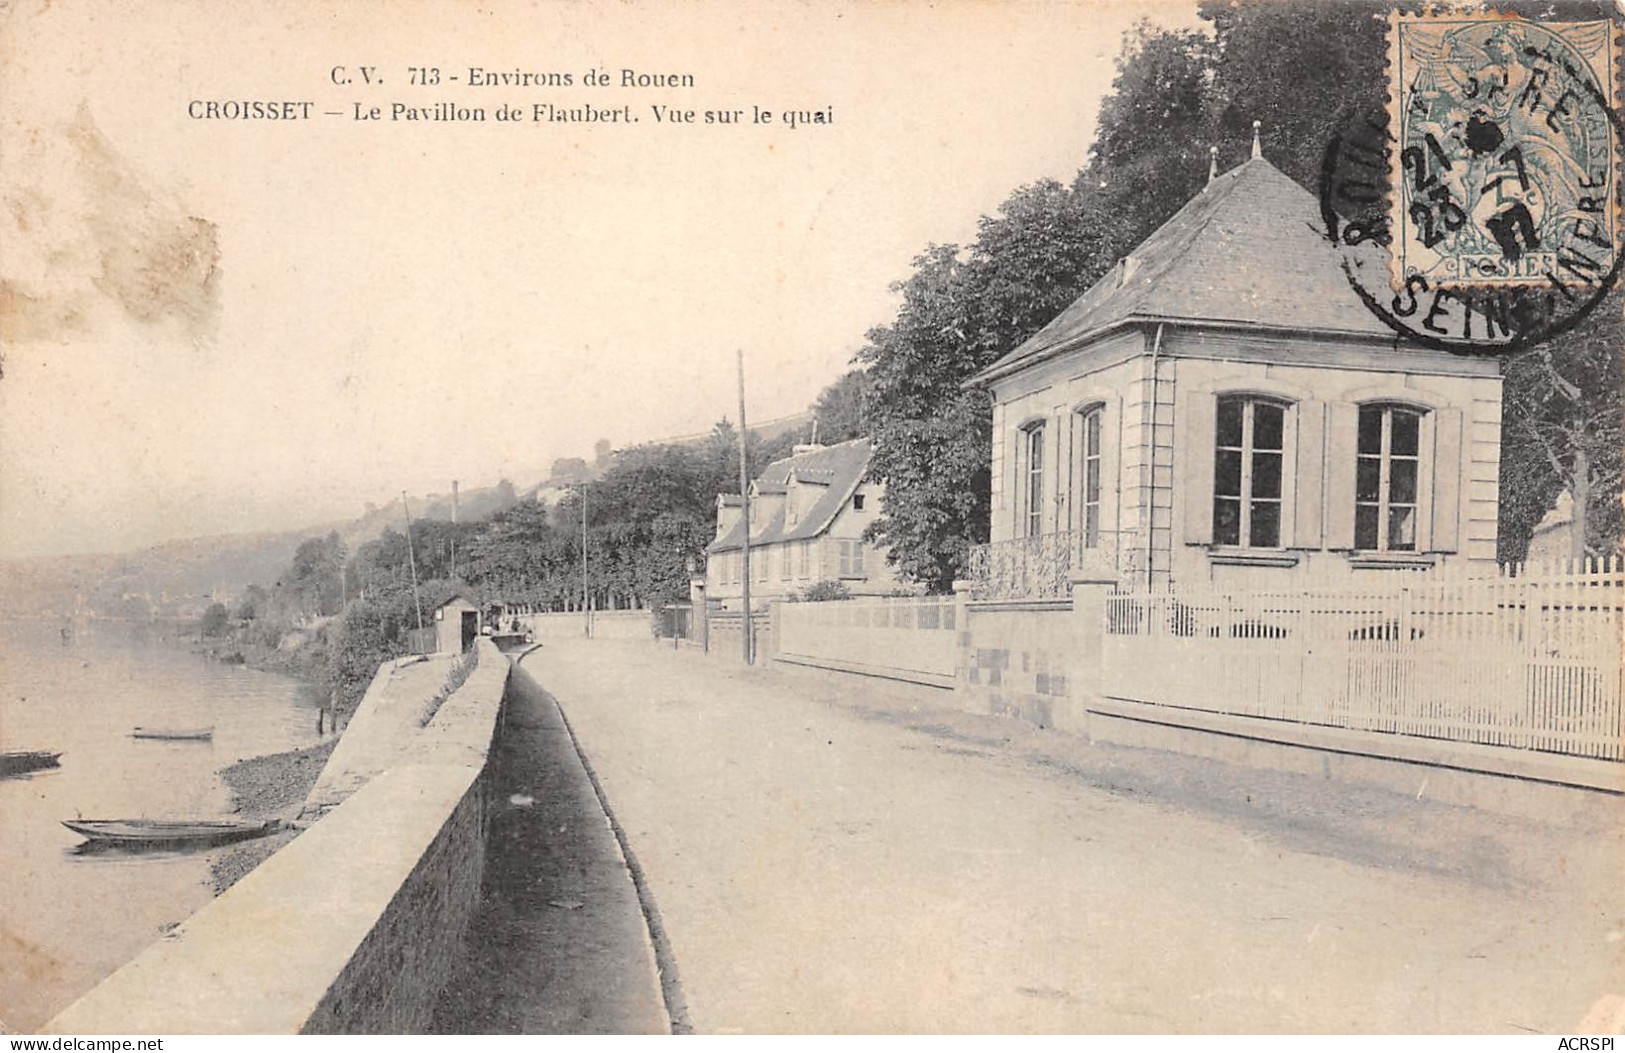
(1479, 213)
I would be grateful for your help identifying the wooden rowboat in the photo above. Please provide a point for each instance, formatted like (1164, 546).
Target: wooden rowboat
(174, 734)
(168, 832)
(21, 762)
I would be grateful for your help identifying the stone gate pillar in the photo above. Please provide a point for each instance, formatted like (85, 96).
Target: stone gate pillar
(963, 644)
(1090, 591)
(699, 613)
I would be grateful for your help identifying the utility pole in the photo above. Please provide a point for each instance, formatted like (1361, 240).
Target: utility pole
(748, 632)
(413, 561)
(586, 610)
(454, 530)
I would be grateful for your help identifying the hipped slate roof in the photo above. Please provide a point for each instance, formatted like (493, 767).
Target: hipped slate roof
(837, 469)
(1250, 249)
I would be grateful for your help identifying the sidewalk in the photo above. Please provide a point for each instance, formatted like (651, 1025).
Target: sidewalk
(559, 945)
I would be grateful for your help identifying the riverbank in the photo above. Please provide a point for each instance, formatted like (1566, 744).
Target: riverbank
(269, 787)
(300, 654)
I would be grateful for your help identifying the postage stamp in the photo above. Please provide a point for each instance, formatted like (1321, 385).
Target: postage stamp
(1478, 211)
(1505, 160)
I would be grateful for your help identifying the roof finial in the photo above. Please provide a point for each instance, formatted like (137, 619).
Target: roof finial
(1258, 150)
(1212, 163)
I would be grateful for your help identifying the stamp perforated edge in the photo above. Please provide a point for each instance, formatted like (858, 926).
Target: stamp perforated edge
(1394, 94)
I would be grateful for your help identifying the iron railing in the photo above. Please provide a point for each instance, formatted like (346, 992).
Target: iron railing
(1038, 568)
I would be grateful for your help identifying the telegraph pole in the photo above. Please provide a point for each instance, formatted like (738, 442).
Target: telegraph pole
(413, 561)
(454, 530)
(749, 631)
(586, 609)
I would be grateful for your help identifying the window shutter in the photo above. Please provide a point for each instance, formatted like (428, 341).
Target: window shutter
(1342, 448)
(1194, 444)
(1014, 487)
(1309, 481)
(1111, 470)
(1447, 442)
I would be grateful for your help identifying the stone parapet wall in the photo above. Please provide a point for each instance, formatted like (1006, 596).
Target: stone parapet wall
(352, 926)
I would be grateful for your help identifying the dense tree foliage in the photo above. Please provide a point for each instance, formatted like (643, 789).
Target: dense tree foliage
(650, 512)
(1562, 431)
(315, 578)
(839, 412)
(252, 602)
(216, 620)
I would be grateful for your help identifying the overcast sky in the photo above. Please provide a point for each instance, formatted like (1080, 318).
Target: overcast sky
(396, 305)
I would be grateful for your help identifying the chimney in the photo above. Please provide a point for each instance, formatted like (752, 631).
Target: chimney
(1212, 163)
(1258, 150)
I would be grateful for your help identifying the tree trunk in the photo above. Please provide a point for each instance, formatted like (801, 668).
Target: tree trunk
(1581, 492)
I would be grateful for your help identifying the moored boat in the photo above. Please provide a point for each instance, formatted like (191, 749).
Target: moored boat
(169, 832)
(21, 762)
(174, 734)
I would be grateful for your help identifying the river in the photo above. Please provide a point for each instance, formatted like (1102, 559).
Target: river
(67, 919)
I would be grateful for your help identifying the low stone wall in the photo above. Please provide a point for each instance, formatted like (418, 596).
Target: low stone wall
(606, 625)
(1541, 786)
(352, 926)
(1019, 660)
(911, 639)
(1041, 662)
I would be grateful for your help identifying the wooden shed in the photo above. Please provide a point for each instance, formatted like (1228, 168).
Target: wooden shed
(457, 624)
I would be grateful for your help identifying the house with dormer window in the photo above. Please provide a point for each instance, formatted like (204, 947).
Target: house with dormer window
(1222, 407)
(808, 515)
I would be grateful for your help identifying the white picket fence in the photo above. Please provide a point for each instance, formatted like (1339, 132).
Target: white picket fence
(906, 635)
(1529, 659)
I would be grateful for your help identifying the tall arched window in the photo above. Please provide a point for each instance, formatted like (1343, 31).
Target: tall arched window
(1247, 472)
(1033, 492)
(1089, 503)
(1386, 479)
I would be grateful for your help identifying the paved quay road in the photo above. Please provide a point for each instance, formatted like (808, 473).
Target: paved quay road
(830, 853)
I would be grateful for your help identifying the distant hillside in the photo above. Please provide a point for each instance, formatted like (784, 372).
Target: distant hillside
(767, 430)
(472, 506)
(178, 578)
(173, 577)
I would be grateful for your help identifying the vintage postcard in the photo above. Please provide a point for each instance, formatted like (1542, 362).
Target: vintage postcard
(550, 517)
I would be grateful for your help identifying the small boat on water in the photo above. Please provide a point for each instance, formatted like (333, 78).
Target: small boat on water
(169, 832)
(174, 734)
(21, 762)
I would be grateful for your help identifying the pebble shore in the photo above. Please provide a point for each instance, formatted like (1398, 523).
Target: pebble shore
(269, 787)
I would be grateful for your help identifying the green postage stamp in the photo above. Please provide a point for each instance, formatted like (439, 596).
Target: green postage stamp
(1505, 166)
